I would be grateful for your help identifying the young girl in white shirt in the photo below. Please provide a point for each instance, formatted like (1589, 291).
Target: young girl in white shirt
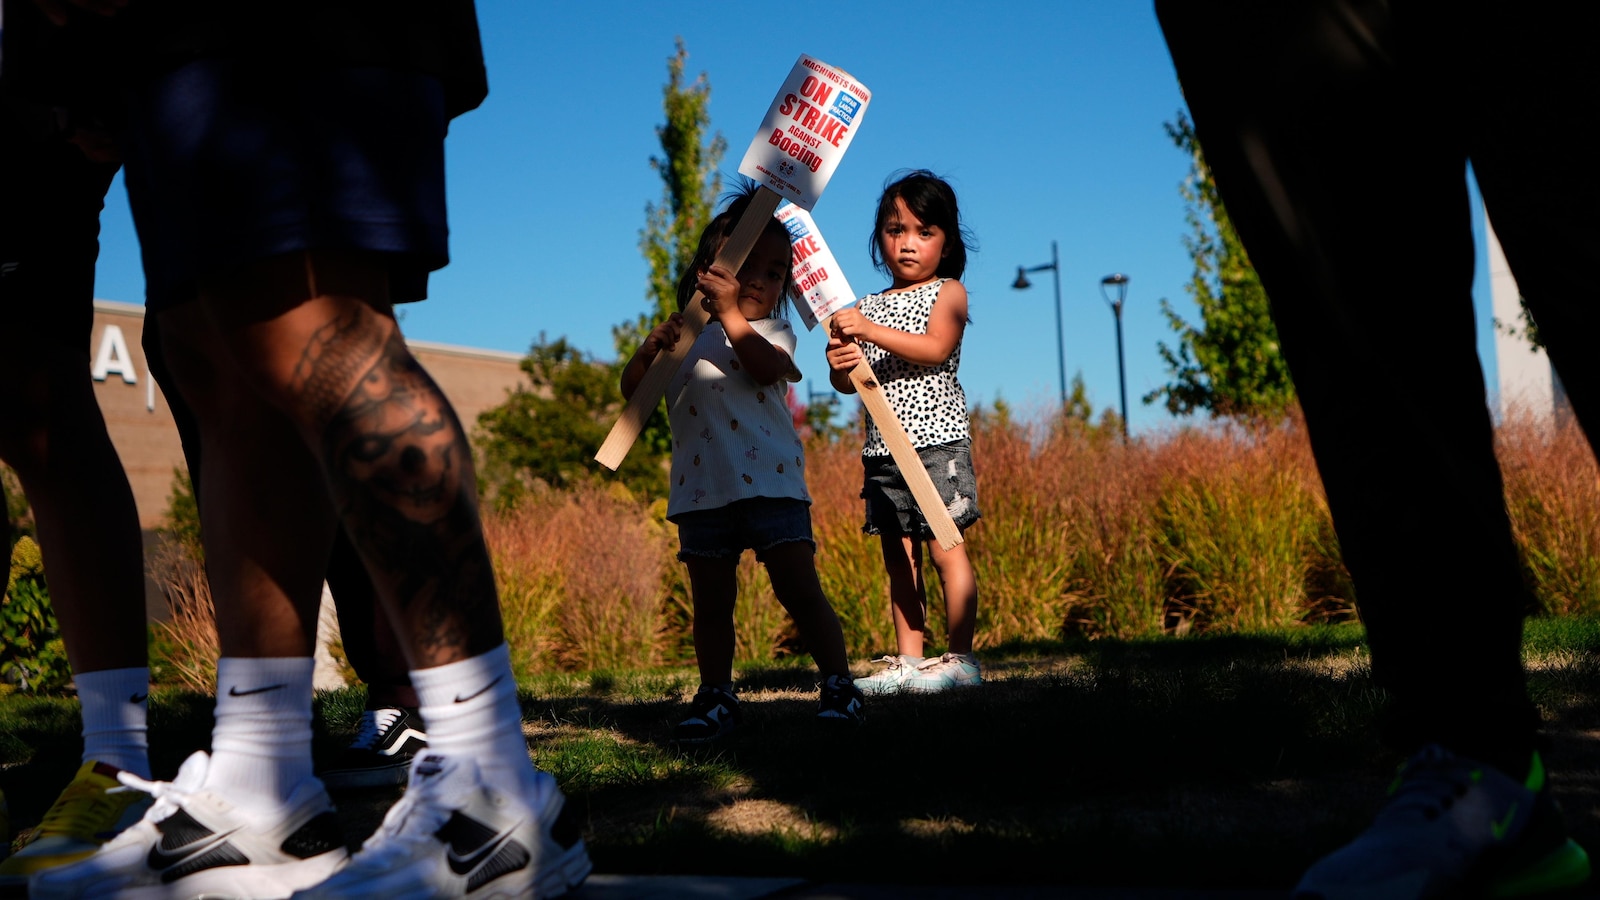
(738, 470)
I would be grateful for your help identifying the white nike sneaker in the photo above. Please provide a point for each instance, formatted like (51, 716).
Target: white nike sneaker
(451, 835)
(952, 670)
(193, 843)
(887, 680)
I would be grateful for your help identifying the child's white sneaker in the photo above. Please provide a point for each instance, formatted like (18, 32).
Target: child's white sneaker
(952, 670)
(888, 679)
(452, 835)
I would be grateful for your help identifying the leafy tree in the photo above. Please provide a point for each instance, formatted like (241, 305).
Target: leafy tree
(1528, 330)
(1229, 365)
(689, 187)
(551, 432)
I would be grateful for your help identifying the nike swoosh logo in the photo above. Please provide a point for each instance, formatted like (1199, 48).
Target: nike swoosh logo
(481, 691)
(235, 692)
(1500, 828)
(138, 698)
(160, 859)
(461, 865)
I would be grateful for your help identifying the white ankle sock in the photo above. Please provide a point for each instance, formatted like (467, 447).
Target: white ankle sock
(116, 704)
(261, 745)
(470, 709)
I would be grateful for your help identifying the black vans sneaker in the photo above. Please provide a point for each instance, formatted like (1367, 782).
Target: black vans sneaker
(380, 755)
(841, 701)
(712, 713)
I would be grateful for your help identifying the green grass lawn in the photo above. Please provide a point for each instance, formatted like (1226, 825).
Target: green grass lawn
(1227, 761)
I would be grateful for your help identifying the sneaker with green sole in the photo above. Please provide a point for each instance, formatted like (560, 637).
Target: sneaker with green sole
(93, 809)
(1453, 826)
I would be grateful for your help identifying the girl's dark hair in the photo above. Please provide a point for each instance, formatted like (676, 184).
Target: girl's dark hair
(931, 199)
(721, 227)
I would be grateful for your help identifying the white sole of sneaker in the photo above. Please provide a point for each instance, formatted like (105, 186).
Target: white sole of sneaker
(564, 873)
(252, 882)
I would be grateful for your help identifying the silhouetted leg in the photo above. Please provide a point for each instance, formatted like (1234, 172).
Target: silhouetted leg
(1336, 138)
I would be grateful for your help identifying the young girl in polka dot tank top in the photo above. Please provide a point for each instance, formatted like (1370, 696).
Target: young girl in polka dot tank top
(911, 336)
(738, 470)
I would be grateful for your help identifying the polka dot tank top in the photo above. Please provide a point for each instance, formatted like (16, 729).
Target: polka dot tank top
(928, 400)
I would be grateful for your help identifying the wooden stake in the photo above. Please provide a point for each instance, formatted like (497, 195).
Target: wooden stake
(904, 454)
(653, 386)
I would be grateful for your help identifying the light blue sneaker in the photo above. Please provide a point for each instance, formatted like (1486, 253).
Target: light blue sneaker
(1454, 826)
(888, 679)
(952, 670)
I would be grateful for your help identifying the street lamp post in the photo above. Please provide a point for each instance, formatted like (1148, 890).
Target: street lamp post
(1022, 283)
(1118, 283)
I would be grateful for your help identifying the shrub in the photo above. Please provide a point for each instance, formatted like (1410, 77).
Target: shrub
(33, 657)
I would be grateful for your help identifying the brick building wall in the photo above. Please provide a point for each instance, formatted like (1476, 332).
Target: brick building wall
(140, 421)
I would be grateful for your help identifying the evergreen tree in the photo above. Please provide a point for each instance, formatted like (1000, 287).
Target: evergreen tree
(689, 187)
(1230, 364)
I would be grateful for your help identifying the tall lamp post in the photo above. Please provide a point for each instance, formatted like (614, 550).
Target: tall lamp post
(1022, 283)
(1118, 284)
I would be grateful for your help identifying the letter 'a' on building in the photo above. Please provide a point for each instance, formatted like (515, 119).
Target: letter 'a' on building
(112, 358)
(806, 132)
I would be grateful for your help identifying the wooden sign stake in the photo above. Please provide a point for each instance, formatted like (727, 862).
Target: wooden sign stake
(653, 386)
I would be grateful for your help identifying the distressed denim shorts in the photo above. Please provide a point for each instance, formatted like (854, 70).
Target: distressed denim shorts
(756, 523)
(892, 510)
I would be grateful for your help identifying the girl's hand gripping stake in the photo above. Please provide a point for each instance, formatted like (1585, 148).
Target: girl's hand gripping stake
(806, 132)
(820, 281)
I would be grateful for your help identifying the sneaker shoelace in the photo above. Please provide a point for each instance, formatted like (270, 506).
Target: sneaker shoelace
(409, 830)
(1428, 785)
(167, 798)
(375, 723)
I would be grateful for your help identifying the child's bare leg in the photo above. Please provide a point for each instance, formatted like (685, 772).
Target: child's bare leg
(908, 596)
(714, 588)
(960, 593)
(793, 570)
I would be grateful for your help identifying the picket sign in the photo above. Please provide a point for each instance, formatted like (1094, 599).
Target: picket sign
(808, 127)
(825, 291)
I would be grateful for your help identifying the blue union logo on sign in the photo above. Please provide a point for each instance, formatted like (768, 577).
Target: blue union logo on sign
(845, 107)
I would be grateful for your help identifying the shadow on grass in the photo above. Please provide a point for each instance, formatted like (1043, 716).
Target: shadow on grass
(1228, 761)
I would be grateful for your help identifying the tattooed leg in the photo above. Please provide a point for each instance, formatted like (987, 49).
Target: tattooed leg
(394, 455)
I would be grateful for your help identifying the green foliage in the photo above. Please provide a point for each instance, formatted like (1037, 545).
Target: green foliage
(19, 517)
(1525, 327)
(33, 657)
(1230, 365)
(689, 187)
(182, 521)
(550, 433)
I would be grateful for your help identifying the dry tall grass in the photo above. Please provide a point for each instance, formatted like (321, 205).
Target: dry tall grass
(1553, 495)
(186, 644)
(1194, 529)
(581, 575)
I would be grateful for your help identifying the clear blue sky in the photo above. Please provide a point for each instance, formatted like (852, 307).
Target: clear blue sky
(1045, 116)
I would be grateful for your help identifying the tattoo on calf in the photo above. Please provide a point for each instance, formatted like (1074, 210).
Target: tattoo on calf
(402, 478)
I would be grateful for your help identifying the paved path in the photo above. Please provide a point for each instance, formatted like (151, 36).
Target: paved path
(689, 887)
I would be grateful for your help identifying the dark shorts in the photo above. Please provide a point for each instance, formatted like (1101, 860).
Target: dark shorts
(230, 162)
(759, 524)
(891, 510)
(50, 201)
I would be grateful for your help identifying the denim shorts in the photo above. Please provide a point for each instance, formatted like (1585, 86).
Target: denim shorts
(892, 510)
(233, 161)
(757, 523)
